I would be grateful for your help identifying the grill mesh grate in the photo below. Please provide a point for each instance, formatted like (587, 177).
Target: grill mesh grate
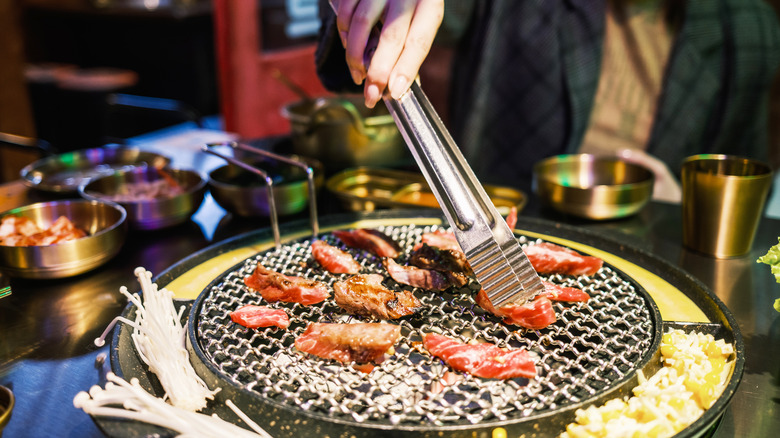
(590, 347)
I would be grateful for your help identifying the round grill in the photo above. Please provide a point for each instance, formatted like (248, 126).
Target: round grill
(592, 348)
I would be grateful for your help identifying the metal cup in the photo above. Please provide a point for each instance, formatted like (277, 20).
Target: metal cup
(723, 199)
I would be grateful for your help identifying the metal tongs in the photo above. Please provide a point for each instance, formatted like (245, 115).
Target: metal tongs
(491, 248)
(270, 183)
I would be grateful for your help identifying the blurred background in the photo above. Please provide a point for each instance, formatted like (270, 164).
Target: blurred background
(79, 74)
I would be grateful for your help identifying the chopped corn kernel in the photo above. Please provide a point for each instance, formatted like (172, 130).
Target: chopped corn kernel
(695, 371)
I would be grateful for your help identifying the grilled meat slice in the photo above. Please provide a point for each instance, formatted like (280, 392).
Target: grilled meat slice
(260, 316)
(511, 218)
(333, 259)
(534, 315)
(356, 342)
(481, 360)
(553, 292)
(538, 313)
(454, 263)
(440, 239)
(364, 294)
(373, 241)
(427, 279)
(549, 258)
(274, 286)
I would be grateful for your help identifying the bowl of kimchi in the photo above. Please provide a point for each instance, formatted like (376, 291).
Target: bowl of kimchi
(153, 197)
(60, 238)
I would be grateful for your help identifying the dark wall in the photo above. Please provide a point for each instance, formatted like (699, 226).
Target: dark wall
(171, 51)
(173, 56)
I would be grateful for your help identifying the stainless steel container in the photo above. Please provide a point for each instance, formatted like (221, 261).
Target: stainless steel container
(342, 132)
(151, 213)
(104, 222)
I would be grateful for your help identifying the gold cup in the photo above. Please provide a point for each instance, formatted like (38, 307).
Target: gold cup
(722, 203)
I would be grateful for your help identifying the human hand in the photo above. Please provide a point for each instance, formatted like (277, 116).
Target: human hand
(408, 30)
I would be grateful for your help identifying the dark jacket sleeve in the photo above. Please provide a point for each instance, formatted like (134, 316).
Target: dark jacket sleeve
(330, 57)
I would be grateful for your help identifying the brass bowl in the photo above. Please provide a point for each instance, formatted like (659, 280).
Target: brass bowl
(371, 188)
(244, 193)
(66, 172)
(150, 213)
(104, 222)
(591, 186)
(6, 407)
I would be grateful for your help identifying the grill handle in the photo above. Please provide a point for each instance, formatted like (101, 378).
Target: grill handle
(313, 221)
(268, 182)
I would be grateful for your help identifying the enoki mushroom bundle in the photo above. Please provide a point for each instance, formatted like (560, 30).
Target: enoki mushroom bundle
(159, 336)
(138, 405)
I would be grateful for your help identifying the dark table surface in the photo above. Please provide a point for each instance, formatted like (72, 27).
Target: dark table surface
(47, 327)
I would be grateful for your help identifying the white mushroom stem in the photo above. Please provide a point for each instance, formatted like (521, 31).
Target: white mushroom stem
(139, 405)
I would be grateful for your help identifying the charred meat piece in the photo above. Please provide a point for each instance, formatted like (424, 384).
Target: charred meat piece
(549, 258)
(274, 286)
(260, 316)
(534, 315)
(333, 259)
(373, 241)
(453, 263)
(357, 342)
(427, 279)
(446, 239)
(364, 294)
(481, 360)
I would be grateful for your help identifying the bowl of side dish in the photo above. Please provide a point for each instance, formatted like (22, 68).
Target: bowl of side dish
(60, 238)
(153, 197)
(64, 173)
(245, 193)
(592, 186)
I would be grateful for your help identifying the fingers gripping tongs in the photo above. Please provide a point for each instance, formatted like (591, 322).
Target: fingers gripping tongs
(491, 248)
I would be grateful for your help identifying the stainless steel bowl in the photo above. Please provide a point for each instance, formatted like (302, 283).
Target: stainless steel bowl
(65, 173)
(592, 186)
(150, 213)
(104, 222)
(245, 194)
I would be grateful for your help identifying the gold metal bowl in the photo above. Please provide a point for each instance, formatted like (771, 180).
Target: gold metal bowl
(371, 188)
(244, 193)
(591, 186)
(150, 213)
(6, 407)
(104, 222)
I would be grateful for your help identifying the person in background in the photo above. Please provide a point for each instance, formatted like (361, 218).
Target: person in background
(652, 80)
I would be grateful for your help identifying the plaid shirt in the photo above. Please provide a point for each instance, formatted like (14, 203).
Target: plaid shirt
(525, 77)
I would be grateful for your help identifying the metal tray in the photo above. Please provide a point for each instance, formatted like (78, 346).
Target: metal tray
(643, 267)
(368, 188)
